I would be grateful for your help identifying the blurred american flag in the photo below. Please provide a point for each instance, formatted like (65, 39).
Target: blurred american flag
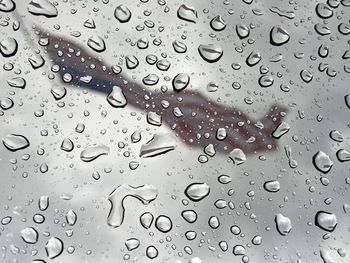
(201, 118)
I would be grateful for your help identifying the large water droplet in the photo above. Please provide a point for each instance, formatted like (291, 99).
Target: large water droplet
(163, 224)
(29, 235)
(159, 144)
(145, 193)
(42, 7)
(96, 43)
(122, 13)
(279, 36)
(187, 13)
(322, 162)
(94, 152)
(197, 191)
(8, 47)
(116, 98)
(15, 142)
(283, 224)
(54, 247)
(211, 52)
(181, 81)
(326, 221)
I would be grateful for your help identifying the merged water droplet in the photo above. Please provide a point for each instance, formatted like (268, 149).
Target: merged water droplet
(144, 193)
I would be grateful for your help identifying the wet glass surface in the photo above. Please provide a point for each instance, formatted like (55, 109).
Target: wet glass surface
(166, 131)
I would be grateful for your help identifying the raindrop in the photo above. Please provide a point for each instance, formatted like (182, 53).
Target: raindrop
(237, 156)
(96, 43)
(122, 13)
(94, 152)
(278, 36)
(15, 142)
(180, 81)
(218, 23)
(283, 224)
(163, 224)
(54, 247)
(116, 98)
(322, 162)
(8, 47)
(197, 191)
(42, 7)
(187, 13)
(210, 53)
(326, 221)
(159, 144)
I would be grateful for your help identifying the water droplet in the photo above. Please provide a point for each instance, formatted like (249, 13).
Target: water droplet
(343, 155)
(189, 215)
(159, 144)
(279, 36)
(54, 247)
(253, 58)
(187, 13)
(122, 13)
(218, 23)
(322, 162)
(181, 81)
(7, 5)
(67, 145)
(29, 235)
(326, 221)
(71, 217)
(116, 98)
(242, 30)
(96, 43)
(211, 52)
(237, 156)
(8, 47)
(197, 191)
(179, 47)
(272, 186)
(42, 7)
(151, 252)
(15, 142)
(144, 193)
(94, 152)
(323, 10)
(283, 224)
(163, 224)
(146, 220)
(132, 243)
(280, 130)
